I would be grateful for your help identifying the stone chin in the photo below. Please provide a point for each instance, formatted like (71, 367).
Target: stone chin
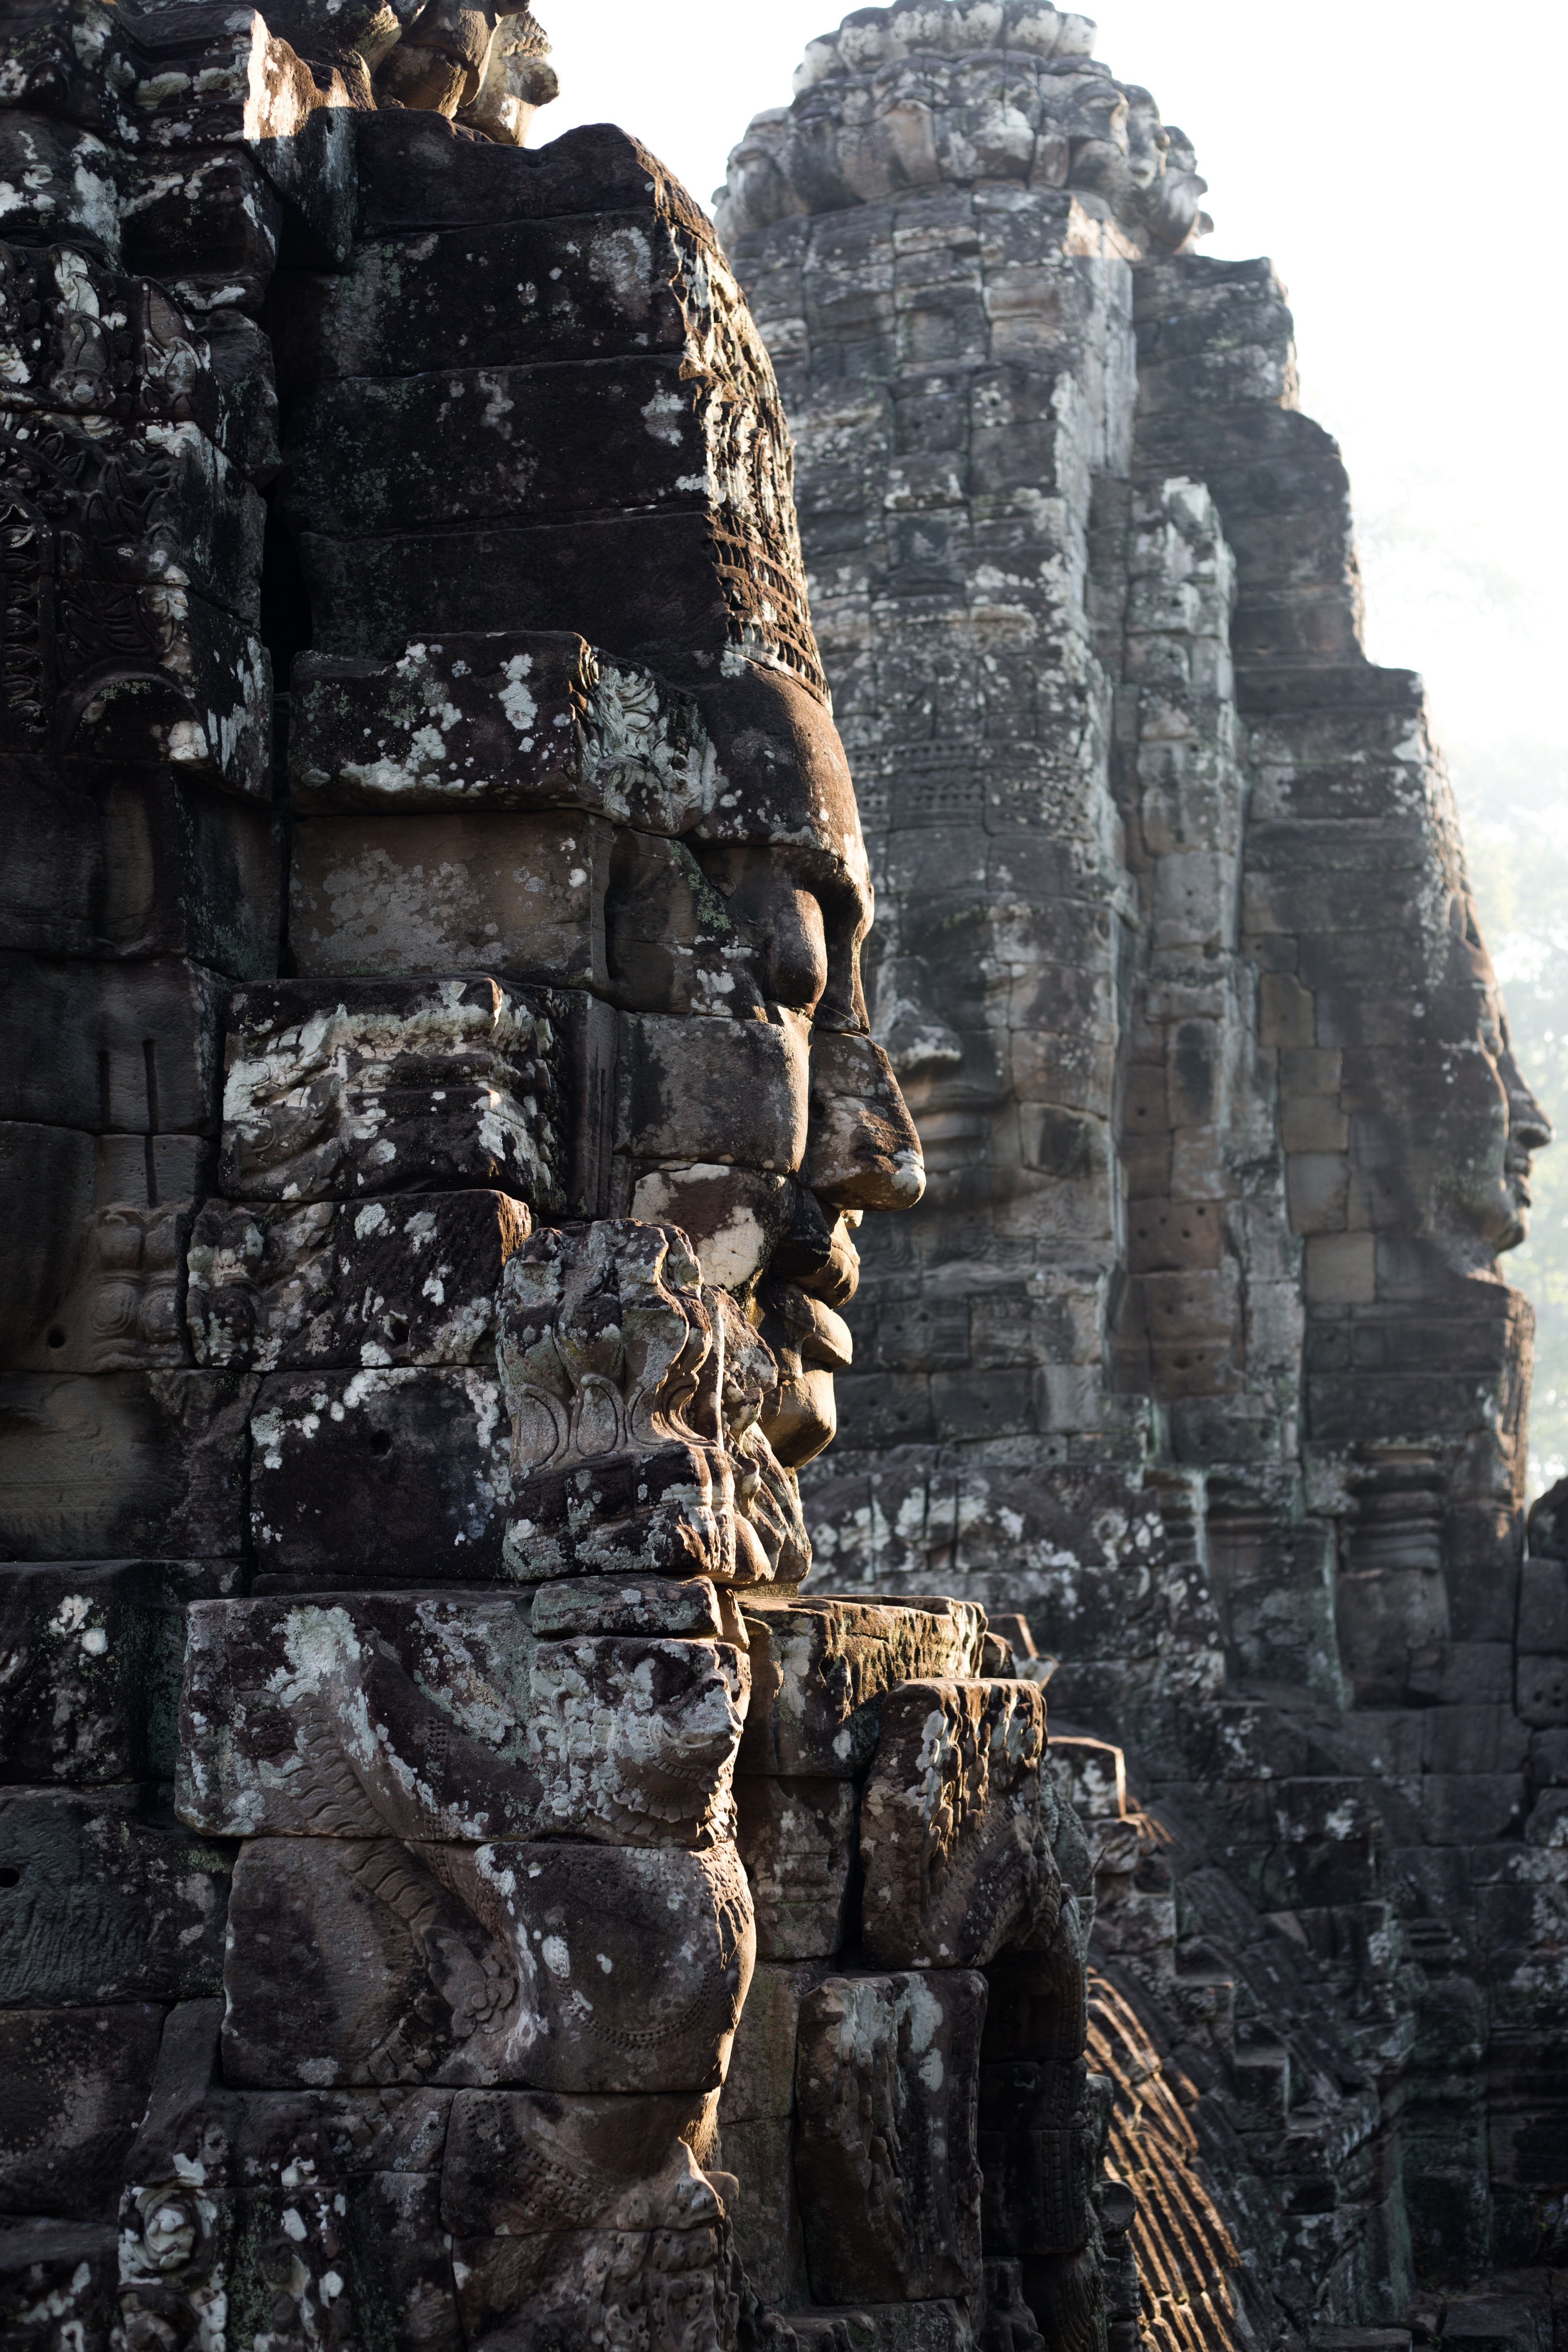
(807, 1280)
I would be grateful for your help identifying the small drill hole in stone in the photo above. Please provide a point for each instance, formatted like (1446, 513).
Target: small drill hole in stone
(55, 1336)
(9, 1877)
(382, 1441)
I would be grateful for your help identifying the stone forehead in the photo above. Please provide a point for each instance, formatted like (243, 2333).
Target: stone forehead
(516, 721)
(783, 779)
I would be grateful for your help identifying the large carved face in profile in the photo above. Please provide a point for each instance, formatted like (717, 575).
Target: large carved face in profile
(1477, 1124)
(565, 722)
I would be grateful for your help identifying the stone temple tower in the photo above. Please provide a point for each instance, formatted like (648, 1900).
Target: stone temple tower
(1197, 1351)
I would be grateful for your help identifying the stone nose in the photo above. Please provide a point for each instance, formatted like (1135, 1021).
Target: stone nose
(862, 1151)
(1529, 1129)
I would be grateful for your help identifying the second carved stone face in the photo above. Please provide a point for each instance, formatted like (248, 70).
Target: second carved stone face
(1482, 1124)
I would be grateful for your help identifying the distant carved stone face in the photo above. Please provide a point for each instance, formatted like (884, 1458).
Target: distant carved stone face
(1485, 1124)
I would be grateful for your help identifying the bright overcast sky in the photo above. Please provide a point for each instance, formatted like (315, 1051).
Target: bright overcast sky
(1391, 160)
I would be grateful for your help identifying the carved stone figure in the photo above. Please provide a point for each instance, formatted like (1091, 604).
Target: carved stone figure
(1196, 1352)
(443, 1103)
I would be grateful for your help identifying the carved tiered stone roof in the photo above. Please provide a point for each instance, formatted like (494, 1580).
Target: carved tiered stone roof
(1000, 93)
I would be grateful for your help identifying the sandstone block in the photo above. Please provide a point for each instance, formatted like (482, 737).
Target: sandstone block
(821, 1668)
(156, 676)
(796, 1838)
(1341, 1269)
(525, 2164)
(765, 2211)
(194, 81)
(644, 584)
(136, 361)
(77, 2081)
(1473, 1739)
(98, 1290)
(1473, 1808)
(625, 1383)
(357, 1718)
(668, 1511)
(730, 1092)
(1317, 1185)
(370, 2251)
(1287, 1015)
(415, 173)
(1544, 1608)
(111, 861)
(888, 2327)
(538, 442)
(65, 180)
(208, 226)
(1034, 2156)
(129, 1463)
(402, 1282)
(760, 2083)
(1174, 1236)
(337, 1457)
(673, 943)
(1313, 1123)
(580, 2289)
(734, 1217)
(955, 1825)
(644, 1604)
(554, 1968)
(105, 1903)
(129, 1049)
(498, 722)
(635, 1739)
(199, 523)
(388, 895)
(864, 1152)
(58, 2282)
(435, 1719)
(403, 301)
(376, 1086)
(244, 2139)
(905, 2050)
(94, 1651)
(246, 384)
(1543, 1686)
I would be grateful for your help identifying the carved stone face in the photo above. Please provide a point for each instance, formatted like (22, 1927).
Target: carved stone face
(564, 721)
(781, 1238)
(1478, 1128)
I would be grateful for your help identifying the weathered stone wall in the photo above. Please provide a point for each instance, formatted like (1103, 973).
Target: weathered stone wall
(1198, 1351)
(455, 1889)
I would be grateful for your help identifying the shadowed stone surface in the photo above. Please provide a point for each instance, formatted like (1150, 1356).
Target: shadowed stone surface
(442, 1108)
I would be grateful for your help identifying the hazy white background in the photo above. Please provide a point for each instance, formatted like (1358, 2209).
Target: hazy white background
(1401, 166)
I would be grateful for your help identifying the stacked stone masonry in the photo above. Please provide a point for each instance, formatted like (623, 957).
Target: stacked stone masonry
(1196, 1352)
(456, 1889)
